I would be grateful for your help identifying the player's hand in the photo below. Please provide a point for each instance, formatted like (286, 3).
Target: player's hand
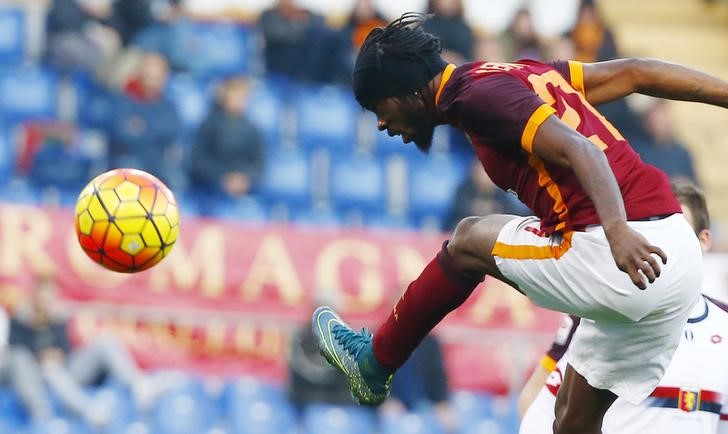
(634, 255)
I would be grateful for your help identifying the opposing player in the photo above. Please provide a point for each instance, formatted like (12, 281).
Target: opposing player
(601, 213)
(692, 397)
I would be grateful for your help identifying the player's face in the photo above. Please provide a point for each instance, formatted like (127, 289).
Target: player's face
(407, 118)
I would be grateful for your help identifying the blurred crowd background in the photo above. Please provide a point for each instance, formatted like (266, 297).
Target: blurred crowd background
(244, 109)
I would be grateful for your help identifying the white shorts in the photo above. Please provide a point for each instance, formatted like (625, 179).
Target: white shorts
(627, 336)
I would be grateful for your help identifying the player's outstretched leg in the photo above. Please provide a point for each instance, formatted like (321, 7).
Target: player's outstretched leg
(446, 282)
(351, 352)
(580, 408)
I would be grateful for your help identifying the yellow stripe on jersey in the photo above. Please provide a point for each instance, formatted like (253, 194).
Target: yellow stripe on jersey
(443, 80)
(548, 363)
(525, 251)
(535, 121)
(576, 71)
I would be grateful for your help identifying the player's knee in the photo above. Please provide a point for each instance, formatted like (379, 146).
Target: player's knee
(461, 243)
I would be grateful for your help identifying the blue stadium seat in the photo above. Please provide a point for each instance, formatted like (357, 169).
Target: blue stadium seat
(472, 407)
(287, 178)
(357, 183)
(12, 412)
(248, 209)
(213, 49)
(28, 92)
(185, 409)
(411, 423)
(432, 181)
(192, 100)
(321, 217)
(327, 117)
(94, 103)
(263, 417)
(12, 35)
(7, 154)
(265, 108)
(61, 426)
(333, 419)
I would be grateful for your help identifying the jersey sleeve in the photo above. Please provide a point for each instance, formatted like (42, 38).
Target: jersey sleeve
(573, 72)
(561, 342)
(502, 110)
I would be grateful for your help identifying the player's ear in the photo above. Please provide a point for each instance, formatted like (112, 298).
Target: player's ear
(706, 240)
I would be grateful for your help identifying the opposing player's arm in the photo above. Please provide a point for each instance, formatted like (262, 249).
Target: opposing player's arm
(614, 79)
(557, 143)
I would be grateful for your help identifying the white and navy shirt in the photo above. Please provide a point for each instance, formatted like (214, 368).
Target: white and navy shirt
(692, 397)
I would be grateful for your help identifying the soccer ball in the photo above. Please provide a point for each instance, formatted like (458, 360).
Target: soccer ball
(126, 220)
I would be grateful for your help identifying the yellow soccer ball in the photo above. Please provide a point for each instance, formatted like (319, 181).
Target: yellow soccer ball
(126, 220)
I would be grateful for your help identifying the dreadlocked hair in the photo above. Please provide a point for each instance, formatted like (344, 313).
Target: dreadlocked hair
(403, 37)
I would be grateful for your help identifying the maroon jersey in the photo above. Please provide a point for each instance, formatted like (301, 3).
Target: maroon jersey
(501, 105)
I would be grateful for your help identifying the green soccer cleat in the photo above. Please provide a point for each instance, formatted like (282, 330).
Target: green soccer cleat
(352, 354)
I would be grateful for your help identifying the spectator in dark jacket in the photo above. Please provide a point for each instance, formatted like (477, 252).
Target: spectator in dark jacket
(77, 38)
(448, 23)
(661, 147)
(477, 195)
(296, 41)
(145, 128)
(227, 158)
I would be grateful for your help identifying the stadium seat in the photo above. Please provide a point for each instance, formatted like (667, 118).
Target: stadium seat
(12, 35)
(265, 108)
(94, 103)
(263, 417)
(411, 423)
(320, 217)
(213, 49)
(185, 409)
(432, 181)
(7, 154)
(28, 92)
(191, 99)
(327, 117)
(61, 425)
(472, 406)
(333, 419)
(357, 183)
(287, 178)
(11, 410)
(248, 209)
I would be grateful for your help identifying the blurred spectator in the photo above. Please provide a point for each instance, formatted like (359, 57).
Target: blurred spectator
(662, 148)
(296, 41)
(145, 129)
(40, 352)
(131, 17)
(448, 23)
(477, 195)
(76, 38)
(593, 39)
(49, 156)
(364, 17)
(310, 379)
(421, 384)
(227, 158)
(520, 40)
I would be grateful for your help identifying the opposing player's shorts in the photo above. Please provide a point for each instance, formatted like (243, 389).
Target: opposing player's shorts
(627, 336)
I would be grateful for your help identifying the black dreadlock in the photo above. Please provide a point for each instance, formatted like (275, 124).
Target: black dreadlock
(396, 60)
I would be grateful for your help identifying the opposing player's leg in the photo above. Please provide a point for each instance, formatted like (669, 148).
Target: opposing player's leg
(580, 408)
(445, 283)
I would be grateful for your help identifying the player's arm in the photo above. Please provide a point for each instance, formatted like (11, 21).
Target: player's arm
(555, 142)
(533, 385)
(614, 79)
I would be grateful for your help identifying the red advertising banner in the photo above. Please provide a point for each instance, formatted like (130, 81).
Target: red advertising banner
(228, 296)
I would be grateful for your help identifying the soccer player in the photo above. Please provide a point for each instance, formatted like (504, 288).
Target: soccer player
(601, 213)
(692, 397)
